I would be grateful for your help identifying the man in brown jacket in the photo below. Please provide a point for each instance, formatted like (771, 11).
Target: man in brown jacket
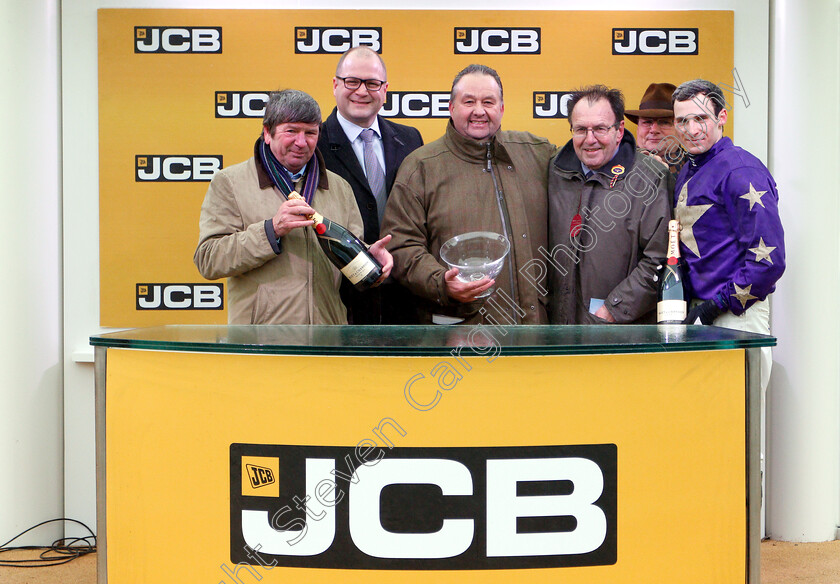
(475, 178)
(609, 207)
(252, 234)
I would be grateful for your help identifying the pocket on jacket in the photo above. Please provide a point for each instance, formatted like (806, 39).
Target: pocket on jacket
(276, 304)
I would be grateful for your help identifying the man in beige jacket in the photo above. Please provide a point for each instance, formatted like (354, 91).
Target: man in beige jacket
(475, 178)
(252, 234)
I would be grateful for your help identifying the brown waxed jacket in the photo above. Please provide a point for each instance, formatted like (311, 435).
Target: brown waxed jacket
(297, 286)
(446, 188)
(623, 239)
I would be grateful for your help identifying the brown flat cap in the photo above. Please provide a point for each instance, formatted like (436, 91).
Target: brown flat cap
(656, 103)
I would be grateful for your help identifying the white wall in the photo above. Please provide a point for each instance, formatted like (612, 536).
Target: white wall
(31, 433)
(81, 283)
(804, 401)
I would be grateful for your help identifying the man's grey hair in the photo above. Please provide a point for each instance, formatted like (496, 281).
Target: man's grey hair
(593, 93)
(290, 106)
(695, 87)
(481, 70)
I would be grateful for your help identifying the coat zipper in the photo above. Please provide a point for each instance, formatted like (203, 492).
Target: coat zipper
(505, 217)
(310, 263)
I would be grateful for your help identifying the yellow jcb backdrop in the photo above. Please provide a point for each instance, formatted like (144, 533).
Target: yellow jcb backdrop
(182, 92)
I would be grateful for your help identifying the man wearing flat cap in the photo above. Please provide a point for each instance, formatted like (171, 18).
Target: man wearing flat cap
(655, 120)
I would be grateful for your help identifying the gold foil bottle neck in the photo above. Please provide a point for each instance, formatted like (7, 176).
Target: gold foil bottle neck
(316, 217)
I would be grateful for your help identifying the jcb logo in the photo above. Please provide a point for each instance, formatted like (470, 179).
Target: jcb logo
(241, 104)
(429, 508)
(177, 39)
(655, 41)
(259, 476)
(180, 297)
(336, 40)
(495, 41)
(416, 104)
(175, 168)
(551, 104)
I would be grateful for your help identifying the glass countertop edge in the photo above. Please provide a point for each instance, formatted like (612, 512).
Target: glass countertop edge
(115, 340)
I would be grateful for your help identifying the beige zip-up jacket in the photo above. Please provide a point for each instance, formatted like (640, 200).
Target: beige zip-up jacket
(297, 286)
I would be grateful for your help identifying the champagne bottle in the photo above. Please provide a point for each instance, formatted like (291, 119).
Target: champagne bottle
(672, 305)
(345, 250)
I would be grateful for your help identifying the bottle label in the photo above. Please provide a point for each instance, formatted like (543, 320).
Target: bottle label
(358, 268)
(671, 310)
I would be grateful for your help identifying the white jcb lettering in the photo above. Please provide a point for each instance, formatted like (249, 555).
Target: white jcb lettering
(571, 489)
(416, 105)
(178, 168)
(204, 168)
(654, 41)
(337, 40)
(181, 296)
(312, 536)
(453, 538)
(524, 41)
(207, 297)
(206, 40)
(497, 40)
(175, 40)
(146, 303)
(367, 37)
(504, 507)
(151, 170)
(554, 105)
(177, 296)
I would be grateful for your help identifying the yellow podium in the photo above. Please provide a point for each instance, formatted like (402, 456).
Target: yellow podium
(428, 454)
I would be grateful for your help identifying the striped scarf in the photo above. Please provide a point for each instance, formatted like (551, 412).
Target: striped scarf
(282, 179)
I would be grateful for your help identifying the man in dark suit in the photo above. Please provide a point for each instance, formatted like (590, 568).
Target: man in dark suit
(366, 150)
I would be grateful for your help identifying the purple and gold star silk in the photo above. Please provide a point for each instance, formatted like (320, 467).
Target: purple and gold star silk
(732, 239)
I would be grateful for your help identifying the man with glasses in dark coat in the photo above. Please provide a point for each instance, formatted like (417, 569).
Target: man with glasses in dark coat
(609, 207)
(366, 150)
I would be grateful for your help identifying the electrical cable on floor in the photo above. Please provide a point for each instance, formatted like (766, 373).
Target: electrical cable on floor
(60, 552)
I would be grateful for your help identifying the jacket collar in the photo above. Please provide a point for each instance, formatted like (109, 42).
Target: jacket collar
(568, 162)
(475, 151)
(265, 180)
(695, 160)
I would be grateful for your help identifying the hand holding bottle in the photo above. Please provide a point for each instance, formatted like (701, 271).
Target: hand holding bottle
(346, 251)
(383, 256)
(292, 214)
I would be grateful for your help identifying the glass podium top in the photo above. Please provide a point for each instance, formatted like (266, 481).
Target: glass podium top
(433, 340)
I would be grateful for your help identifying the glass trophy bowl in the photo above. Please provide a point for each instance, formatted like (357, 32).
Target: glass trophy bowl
(477, 255)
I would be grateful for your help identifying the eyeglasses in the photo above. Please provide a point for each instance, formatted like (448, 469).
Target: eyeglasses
(355, 82)
(661, 122)
(598, 131)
